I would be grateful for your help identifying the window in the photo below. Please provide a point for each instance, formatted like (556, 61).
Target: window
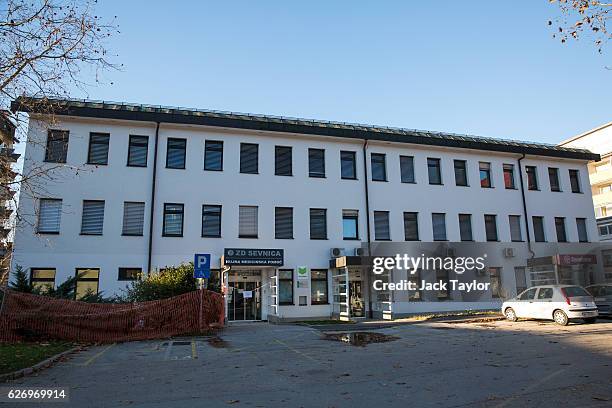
(87, 280)
(283, 222)
(485, 174)
(282, 161)
(528, 294)
(173, 220)
(411, 226)
(175, 153)
(379, 167)
(316, 163)
(553, 179)
(211, 221)
(491, 227)
(509, 176)
(433, 171)
(495, 277)
(407, 169)
(92, 222)
(381, 226)
(42, 279)
(285, 286)
(98, 148)
(415, 279)
(520, 278)
(318, 287)
(129, 274)
(438, 221)
(133, 218)
(348, 165)
(538, 229)
(460, 173)
(137, 151)
(532, 177)
(465, 227)
(57, 146)
(213, 155)
(560, 228)
(49, 216)
(249, 158)
(318, 223)
(545, 293)
(350, 224)
(247, 221)
(575, 181)
(516, 235)
(582, 230)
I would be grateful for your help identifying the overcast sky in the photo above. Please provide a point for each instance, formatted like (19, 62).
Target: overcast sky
(477, 67)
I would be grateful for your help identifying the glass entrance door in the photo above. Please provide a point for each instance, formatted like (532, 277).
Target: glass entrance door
(244, 301)
(356, 299)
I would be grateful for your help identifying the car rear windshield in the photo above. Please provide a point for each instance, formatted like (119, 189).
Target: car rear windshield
(575, 291)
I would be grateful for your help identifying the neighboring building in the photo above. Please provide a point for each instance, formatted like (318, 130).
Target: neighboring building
(599, 140)
(282, 204)
(7, 158)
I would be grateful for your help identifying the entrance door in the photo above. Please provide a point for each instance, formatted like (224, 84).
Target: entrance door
(356, 299)
(244, 298)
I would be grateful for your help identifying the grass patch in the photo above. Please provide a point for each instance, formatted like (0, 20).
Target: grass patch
(16, 356)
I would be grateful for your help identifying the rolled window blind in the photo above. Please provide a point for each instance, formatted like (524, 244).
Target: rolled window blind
(49, 215)
(247, 222)
(381, 225)
(133, 218)
(284, 222)
(93, 217)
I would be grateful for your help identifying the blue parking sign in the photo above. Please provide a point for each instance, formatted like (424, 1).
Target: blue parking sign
(201, 266)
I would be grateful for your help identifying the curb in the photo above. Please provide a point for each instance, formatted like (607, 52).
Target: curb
(38, 366)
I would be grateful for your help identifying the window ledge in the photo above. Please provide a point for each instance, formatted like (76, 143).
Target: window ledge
(90, 234)
(172, 236)
(211, 236)
(47, 232)
(248, 236)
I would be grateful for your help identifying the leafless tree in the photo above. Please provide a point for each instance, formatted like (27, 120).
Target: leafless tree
(583, 18)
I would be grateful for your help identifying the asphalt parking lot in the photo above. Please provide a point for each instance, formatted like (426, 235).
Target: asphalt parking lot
(487, 364)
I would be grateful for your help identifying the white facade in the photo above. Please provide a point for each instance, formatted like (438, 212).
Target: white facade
(117, 183)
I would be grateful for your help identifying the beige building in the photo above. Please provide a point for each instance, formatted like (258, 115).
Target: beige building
(599, 140)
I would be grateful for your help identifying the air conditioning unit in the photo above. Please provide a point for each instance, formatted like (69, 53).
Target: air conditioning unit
(359, 251)
(509, 252)
(337, 252)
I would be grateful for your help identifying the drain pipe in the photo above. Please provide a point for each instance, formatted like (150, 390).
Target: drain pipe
(367, 205)
(520, 171)
(153, 183)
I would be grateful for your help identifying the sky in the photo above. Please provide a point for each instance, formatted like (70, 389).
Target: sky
(477, 67)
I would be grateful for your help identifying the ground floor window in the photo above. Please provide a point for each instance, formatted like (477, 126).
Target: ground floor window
(129, 274)
(87, 281)
(415, 278)
(42, 279)
(318, 286)
(495, 276)
(442, 275)
(285, 286)
(521, 279)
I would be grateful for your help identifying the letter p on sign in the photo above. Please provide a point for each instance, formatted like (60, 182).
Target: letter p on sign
(201, 266)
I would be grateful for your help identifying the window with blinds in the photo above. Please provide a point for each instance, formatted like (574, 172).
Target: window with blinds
(348, 165)
(582, 230)
(49, 216)
(213, 155)
(407, 169)
(316, 163)
(98, 148)
(92, 222)
(381, 226)
(538, 229)
(137, 151)
(574, 176)
(433, 171)
(438, 221)
(283, 223)
(484, 169)
(249, 158)
(460, 172)
(282, 161)
(173, 220)
(378, 164)
(560, 228)
(247, 221)
(57, 146)
(465, 227)
(491, 227)
(553, 179)
(175, 153)
(411, 226)
(516, 235)
(350, 224)
(532, 177)
(318, 223)
(211, 221)
(133, 218)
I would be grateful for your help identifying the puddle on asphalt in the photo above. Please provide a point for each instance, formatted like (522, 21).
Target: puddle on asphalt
(360, 339)
(217, 342)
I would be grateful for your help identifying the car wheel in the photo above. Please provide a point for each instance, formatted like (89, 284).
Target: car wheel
(590, 320)
(510, 314)
(560, 317)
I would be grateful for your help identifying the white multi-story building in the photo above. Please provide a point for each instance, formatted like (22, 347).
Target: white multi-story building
(135, 188)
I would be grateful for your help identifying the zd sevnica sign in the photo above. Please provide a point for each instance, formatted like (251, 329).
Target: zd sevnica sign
(253, 257)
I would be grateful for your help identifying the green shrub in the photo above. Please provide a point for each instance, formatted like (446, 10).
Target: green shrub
(168, 282)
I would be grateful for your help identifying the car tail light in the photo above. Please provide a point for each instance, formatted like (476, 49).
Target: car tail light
(567, 300)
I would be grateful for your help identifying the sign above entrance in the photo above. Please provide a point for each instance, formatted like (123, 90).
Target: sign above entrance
(253, 257)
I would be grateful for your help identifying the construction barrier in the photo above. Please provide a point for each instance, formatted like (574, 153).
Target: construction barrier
(25, 316)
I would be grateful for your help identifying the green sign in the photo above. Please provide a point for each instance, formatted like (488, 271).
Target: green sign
(302, 272)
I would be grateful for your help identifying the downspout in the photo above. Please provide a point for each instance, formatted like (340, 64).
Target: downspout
(368, 231)
(520, 171)
(152, 209)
